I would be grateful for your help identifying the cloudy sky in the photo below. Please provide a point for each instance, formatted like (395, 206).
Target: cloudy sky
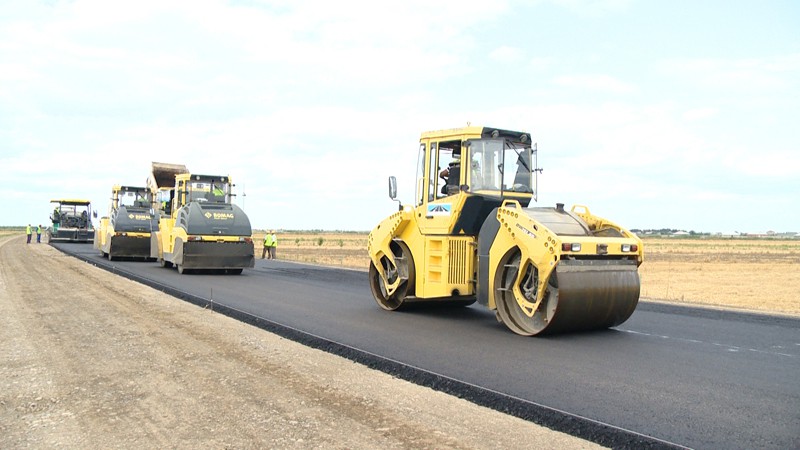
(679, 114)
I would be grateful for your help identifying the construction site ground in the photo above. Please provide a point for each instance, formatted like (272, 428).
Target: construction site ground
(93, 360)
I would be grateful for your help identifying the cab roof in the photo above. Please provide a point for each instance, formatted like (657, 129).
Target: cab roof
(71, 201)
(475, 132)
(129, 188)
(205, 178)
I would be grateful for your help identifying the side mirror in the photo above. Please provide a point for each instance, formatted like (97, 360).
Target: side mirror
(94, 213)
(392, 187)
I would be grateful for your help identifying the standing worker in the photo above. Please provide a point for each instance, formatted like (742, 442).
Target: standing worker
(56, 219)
(28, 232)
(217, 191)
(39, 234)
(267, 244)
(273, 246)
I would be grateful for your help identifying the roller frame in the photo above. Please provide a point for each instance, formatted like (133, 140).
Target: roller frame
(379, 243)
(604, 295)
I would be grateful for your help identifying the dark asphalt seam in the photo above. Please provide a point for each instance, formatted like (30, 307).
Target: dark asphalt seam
(720, 314)
(557, 420)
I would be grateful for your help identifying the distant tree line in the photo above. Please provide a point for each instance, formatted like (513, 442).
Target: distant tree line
(318, 231)
(668, 231)
(673, 232)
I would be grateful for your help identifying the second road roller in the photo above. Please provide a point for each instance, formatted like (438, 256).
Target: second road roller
(472, 236)
(199, 227)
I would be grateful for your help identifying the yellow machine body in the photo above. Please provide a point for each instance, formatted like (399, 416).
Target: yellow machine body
(125, 231)
(472, 237)
(199, 227)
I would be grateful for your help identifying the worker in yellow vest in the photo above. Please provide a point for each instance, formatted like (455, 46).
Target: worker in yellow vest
(28, 232)
(39, 234)
(56, 219)
(267, 245)
(273, 245)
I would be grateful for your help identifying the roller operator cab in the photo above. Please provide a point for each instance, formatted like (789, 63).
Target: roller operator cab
(71, 221)
(202, 228)
(471, 235)
(125, 231)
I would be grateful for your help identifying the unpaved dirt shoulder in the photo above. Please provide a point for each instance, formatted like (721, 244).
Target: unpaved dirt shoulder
(92, 360)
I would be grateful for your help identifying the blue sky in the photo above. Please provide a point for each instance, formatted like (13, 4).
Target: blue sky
(680, 114)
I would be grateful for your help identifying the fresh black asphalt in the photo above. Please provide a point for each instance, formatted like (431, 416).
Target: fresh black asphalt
(687, 376)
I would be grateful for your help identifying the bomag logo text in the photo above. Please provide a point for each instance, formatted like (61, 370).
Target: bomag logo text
(526, 231)
(138, 217)
(220, 216)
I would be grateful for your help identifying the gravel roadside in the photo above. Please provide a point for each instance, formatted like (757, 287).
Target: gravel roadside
(92, 360)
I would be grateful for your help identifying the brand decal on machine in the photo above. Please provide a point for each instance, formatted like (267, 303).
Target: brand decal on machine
(526, 231)
(439, 209)
(138, 217)
(219, 216)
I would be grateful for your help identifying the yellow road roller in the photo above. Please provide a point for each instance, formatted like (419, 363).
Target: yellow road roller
(471, 235)
(125, 231)
(202, 228)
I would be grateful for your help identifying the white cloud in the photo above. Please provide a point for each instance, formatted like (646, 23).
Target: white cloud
(745, 74)
(506, 54)
(593, 8)
(598, 83)
(539, 64)
(700, 113)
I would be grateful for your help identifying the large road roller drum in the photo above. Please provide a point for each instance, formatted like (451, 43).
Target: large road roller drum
(560, 270)
(579, 296)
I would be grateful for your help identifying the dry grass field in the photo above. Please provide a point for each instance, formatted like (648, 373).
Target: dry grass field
(9, 231)
(751, 274)
(325, 248)
(756, 274)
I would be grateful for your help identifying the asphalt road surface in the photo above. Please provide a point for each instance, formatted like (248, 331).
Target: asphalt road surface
(693, 377)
